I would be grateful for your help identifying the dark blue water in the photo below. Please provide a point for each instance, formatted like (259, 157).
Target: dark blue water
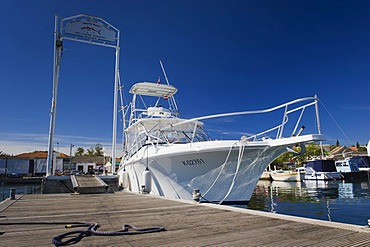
(338, 201)
(21, 189)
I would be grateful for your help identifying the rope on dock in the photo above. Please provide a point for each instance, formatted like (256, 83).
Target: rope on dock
(75, 236)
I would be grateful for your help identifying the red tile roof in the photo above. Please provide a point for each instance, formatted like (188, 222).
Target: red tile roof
(39, 154)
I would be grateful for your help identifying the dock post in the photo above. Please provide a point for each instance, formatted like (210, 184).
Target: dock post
(12, 194)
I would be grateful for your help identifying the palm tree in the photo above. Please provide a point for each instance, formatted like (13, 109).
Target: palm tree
(90, 151)
(79, 151)
(99, 150)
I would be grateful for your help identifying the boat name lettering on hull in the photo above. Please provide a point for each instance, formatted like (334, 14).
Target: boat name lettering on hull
(193, 162)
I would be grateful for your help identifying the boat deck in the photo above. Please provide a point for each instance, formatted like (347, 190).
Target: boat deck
(186, 223)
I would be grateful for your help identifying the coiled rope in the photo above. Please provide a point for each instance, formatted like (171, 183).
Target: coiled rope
(75, 236)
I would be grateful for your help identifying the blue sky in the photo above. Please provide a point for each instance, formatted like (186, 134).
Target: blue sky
(222, 56)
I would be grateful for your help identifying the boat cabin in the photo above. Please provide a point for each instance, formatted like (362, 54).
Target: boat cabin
(322, 170)
(347, 165)
(161, 131)
(363, 162)
(321, 165)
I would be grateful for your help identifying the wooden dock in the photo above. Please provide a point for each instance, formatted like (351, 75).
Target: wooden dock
(186, 223)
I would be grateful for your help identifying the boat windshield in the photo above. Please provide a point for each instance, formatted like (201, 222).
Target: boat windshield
(362, 161)
(158, 132)
(322, 165)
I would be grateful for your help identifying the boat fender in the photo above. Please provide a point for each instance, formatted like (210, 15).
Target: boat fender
(123, 179)
(196, 195)
(147, 181)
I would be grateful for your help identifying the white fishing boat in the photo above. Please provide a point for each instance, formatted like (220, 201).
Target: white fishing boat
(363, 162)
(321, 169)
(282, 175)
(166, 155)
(349, 168)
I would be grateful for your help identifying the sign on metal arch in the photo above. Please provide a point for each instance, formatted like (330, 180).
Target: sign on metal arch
(90, 29)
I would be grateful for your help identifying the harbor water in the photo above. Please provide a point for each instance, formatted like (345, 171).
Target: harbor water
(337, 201)
(20, 189)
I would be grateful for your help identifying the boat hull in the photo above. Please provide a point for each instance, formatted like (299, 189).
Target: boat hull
(176, 176)
(222, 171)
(288, 176)
(359, 175)
(323, 176)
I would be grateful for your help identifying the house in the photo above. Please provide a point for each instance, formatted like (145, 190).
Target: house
(29, 164)
(34, 164)
(85, 164)
(341, 152)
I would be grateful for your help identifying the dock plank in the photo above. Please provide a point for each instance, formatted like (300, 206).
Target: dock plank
(186, 223)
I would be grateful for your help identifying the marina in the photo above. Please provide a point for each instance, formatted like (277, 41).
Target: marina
(171, 185)
(186, 223)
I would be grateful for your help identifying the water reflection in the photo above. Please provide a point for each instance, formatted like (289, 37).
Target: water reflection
(339, 201)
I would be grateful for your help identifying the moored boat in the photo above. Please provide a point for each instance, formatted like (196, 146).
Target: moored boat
(321, 169)
(166, 155)
(281, 175)
(363, 162)
(350, 169)
(265, 175)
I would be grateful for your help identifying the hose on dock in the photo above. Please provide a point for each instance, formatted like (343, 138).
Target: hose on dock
(75, 236)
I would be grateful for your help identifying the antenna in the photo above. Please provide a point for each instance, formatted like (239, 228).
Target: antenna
(172, 98)
(164, 72)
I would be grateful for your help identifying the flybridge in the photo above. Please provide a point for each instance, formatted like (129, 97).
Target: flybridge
(153, 89)
(90, 30)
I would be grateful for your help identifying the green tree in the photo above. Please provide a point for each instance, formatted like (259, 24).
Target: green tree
(99, 150)
(312, 150)
(93, 151)
(90, 151)
(357, 145)
(79, 151)
(284, 158)
(337, 143)
(362, 149)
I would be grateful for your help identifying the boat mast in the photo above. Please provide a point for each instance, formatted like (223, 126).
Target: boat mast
(58, 47)
(115, 108)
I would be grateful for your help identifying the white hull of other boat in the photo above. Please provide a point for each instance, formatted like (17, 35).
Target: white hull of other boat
(173, 157)
(324, 176)
(287, 176)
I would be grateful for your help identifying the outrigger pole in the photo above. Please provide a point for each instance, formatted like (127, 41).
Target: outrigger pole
(90, 30)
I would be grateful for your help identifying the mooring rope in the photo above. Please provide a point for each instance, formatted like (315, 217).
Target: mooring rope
(219, 174)
(75, 236)
(240, 157)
